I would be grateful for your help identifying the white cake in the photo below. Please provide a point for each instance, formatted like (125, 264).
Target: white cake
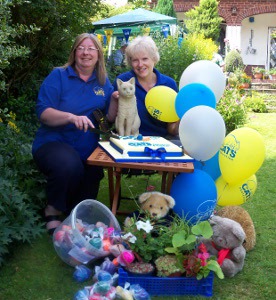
(143, 146)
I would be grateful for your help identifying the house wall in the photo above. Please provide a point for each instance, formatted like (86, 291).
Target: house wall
(251, 38)
(233, 12)
(254, 36)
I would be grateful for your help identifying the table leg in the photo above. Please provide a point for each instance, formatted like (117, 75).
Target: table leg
(110, 185)
(164, 180)
(118, 173)
(169, 182)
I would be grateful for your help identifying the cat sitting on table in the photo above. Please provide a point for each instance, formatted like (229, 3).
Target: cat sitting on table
(127, 121)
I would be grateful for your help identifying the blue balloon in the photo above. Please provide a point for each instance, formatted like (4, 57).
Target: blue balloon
(210, 166)
(195, 196)
(192, 95)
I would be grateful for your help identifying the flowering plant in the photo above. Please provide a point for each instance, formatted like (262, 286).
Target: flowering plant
(147, 240)
(199, 263)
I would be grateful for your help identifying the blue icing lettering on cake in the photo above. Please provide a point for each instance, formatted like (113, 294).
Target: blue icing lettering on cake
(146, 146)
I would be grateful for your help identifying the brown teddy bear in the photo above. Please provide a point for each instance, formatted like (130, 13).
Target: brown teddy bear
(240, 215)
(226, 243)
(157, 205)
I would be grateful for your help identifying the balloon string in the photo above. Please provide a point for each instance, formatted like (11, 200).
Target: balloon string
(223, 190)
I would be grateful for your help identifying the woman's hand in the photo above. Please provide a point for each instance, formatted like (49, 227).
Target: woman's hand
(53, 117)
(82, 122)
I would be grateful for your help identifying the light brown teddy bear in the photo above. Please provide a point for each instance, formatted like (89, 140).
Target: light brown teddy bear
(157, 205)
(226, 244)
(240, 215)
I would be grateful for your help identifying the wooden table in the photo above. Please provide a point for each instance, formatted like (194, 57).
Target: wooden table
(100, 158)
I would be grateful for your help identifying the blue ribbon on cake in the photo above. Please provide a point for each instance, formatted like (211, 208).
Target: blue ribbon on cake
(160, 152)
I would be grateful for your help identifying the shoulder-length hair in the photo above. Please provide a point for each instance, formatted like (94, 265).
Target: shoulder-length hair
(142, 43)
(101, 73)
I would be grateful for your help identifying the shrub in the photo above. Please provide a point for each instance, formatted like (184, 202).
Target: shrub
(255, 103)
(21, 185)
(233, 61)
(175, 57)
(232, 110)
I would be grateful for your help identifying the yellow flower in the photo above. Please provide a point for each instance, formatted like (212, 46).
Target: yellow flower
(13, 126)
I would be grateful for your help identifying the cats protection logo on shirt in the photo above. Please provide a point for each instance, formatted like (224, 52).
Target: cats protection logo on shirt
(99, 91)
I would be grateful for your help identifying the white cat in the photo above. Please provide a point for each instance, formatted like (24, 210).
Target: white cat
(127, 121)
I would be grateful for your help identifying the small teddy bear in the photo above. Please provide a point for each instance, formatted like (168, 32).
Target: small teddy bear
(240, 215)
(157, 205)
(226, 243)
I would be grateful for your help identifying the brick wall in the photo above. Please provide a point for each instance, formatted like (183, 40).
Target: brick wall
(233, 12)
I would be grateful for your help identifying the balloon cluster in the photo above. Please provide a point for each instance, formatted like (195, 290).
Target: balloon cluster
(240, 157)
(224, 166)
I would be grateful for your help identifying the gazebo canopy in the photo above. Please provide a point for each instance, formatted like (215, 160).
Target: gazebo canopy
(135, 20)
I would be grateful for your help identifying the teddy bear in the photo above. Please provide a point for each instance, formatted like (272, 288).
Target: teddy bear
(226, 244)
(240, 215)
(157, 205)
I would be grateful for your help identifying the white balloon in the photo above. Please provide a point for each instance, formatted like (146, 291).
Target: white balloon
(202, 132)
(205, 72)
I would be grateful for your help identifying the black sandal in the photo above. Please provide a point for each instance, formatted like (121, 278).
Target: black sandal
(49, 219)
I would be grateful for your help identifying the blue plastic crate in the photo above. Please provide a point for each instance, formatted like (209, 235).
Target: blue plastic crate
(167, 286)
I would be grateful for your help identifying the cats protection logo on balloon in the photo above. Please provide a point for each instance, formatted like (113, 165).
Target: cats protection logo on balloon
(230, 147)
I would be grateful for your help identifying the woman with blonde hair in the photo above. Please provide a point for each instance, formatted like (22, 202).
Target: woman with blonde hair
(142, 56)
(66, 101)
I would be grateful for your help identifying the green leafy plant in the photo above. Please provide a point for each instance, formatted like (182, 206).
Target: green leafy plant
(233, 61)
(257, 70)
(231, 108)
(255, 103)
(193, 257)
(176, 56)
(22, 187)
(272, 71)
(168, 265)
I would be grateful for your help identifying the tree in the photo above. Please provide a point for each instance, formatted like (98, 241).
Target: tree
(139, 3)
(58, 22)
(9, 49)
(165, 7)
(204, 19)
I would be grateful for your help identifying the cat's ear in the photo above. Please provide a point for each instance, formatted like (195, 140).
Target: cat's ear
(119, 82)
(132, 80)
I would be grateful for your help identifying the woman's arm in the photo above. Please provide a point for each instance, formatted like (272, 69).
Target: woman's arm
(53, 117)
(172, 128)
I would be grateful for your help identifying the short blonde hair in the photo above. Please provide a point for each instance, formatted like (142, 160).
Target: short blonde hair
(100, 65)
(142, 43)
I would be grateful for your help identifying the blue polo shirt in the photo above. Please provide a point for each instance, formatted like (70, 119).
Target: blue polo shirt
(64, 90)
(149, 125)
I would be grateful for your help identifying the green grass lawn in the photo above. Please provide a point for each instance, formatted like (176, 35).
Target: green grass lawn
(36, 272)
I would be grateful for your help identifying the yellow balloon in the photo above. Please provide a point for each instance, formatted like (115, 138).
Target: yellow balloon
(235, 194)
(160, 103)
(241, 155)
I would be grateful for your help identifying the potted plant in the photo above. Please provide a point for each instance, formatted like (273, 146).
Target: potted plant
(258, 72)
(239, 79)
(168, 266)
(272, 72)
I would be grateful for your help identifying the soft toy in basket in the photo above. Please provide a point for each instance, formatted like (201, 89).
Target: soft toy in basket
(86, 234)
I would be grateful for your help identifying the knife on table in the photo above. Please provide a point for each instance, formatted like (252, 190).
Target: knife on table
(105, 133)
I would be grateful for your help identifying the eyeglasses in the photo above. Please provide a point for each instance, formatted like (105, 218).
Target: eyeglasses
(89, 49)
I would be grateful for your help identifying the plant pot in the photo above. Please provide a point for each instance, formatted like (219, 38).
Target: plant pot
(258, 75)
(273, 77)
(140, 269)
(244, 86)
